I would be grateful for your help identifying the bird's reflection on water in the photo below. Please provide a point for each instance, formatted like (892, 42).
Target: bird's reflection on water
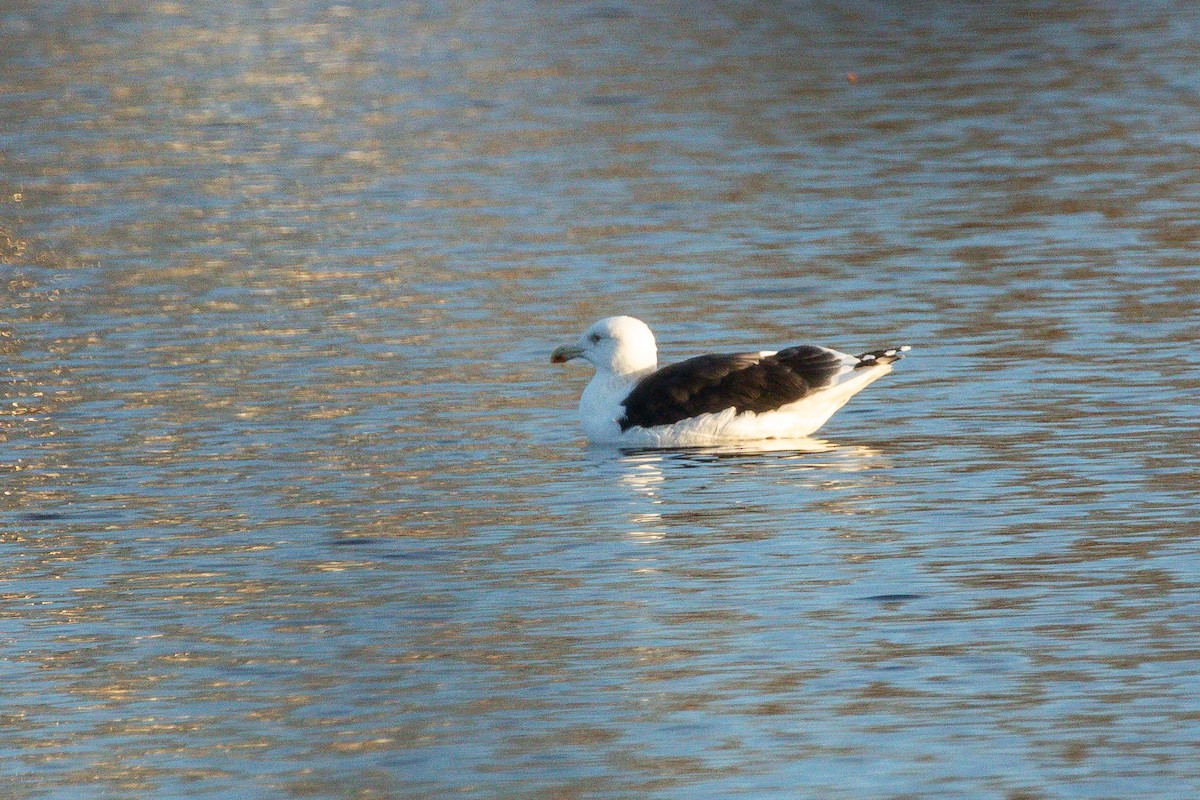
(686, 490)
(772, 454)
(804, 444)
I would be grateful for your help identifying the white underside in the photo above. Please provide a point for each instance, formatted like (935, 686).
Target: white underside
(600, 408)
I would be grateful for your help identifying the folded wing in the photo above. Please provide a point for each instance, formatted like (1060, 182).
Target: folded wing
(742, 381)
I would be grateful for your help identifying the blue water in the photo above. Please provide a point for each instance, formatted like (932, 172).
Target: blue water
(295, 506)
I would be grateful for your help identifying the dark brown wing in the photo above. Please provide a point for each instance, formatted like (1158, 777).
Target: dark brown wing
(743, 381)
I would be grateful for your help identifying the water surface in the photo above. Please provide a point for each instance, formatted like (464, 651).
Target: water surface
(294, 505)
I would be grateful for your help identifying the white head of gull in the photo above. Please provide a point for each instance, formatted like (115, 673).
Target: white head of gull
(711, 399)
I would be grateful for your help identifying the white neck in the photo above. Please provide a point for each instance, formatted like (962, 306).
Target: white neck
(629, 363)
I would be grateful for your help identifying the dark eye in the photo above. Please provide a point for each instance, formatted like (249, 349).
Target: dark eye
(595, 337)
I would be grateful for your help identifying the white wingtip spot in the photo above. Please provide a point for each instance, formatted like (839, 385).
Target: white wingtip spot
(906, 348)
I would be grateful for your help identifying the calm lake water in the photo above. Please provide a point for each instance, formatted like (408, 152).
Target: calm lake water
(295, 506)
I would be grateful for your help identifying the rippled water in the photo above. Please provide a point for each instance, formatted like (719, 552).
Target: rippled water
(294, 505)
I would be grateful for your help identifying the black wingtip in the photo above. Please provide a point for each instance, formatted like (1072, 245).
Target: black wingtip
(887, 356)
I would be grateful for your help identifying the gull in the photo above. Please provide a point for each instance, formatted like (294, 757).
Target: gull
(711, 399)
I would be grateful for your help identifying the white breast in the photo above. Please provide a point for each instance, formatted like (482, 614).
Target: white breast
(600, 407)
